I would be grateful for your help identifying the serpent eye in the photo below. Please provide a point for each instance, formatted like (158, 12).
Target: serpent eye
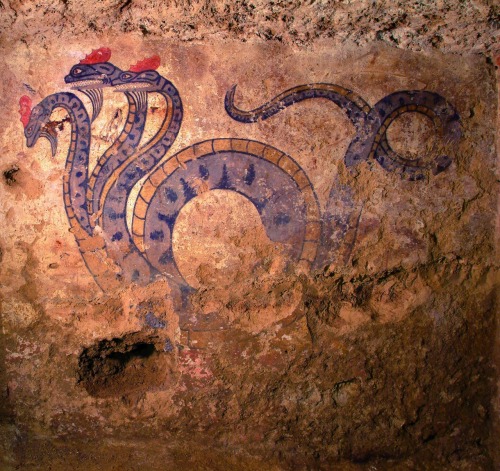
(30, 128)
(77, 71)
(126, 76)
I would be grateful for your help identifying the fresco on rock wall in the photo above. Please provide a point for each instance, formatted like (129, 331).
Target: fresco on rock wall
(141, 251)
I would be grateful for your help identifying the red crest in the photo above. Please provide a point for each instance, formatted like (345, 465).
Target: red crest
(97, 55)
(25, 109)
(150, 63)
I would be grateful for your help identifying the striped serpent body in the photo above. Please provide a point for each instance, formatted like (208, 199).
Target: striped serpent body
(270, 179)
(371, 124)
(75, 181)
(91, 80)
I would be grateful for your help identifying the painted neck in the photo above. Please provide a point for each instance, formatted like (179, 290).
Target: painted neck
(172, 122)
(75, 179)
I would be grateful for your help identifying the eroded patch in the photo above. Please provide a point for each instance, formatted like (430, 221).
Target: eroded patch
(134, 363)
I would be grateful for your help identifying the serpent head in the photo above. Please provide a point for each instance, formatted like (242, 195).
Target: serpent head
(38, 126)
(91, 79)
(94, 73)
(146, 81)
(92, 76)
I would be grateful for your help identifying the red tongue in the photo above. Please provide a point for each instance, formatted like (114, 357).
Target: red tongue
(150, 63)
(98, 55)
(25, 109)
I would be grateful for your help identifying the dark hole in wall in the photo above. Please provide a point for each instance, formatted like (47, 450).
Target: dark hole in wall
(131, 364)
(137, 350)
(9, 175)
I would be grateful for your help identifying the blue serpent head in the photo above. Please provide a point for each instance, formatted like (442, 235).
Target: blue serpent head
(91, 79)
(38, 126)
(95, 76)
(147, 81)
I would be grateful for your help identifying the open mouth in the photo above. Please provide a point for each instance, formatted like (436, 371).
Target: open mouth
(94, 93)
(90, 84)
(93, 90)
(134, 86)
(51, 137)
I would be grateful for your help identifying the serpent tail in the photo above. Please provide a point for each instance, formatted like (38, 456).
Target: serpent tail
(355, 107)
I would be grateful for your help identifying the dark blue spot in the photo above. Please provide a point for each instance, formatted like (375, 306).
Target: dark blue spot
(114, 215)
(135, 275)
(186, 291)
(79, 174)
(157, 235)
(204, 173)
(381, 112)
(189, 192)
(166, 257)
(124, 186)
(171, 195)
(131, 136)
(154, 322)
(259, 204)
(169, 219)
(224, 182)
(116, 236)
(163, 149)
(130, 175)
(281, 219)
(250, 174)
(168, 346)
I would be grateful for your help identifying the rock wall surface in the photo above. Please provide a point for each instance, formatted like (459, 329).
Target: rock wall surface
(311, 289)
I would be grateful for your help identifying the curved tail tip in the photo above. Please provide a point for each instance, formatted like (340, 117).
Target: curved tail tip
(229, 99)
